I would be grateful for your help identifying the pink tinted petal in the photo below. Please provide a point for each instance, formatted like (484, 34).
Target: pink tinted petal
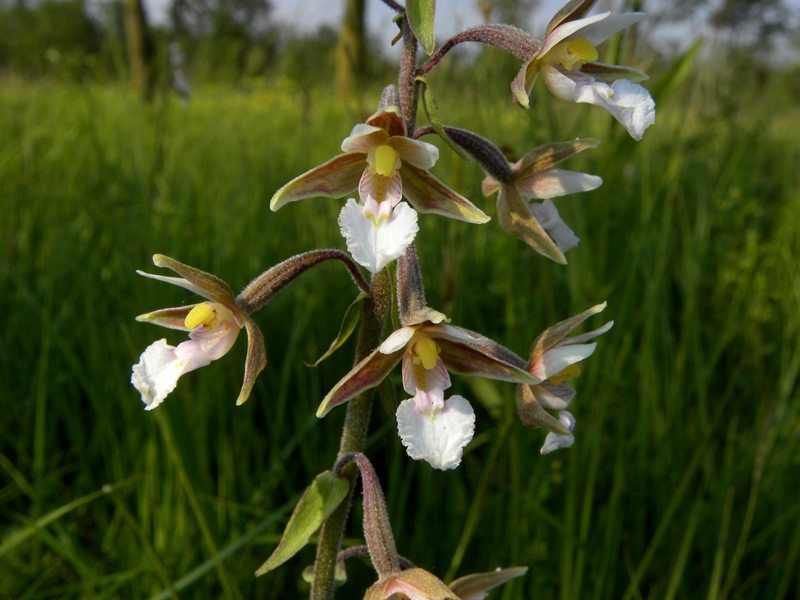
(363, 138)
(455, 334)
(553, 397)
(420, 154)
(438, 377)
(429, 400)
(557, 182)
(559, 358)
(438, 437)
(217, 342)
(333, 179)
(172, 318)
(380, 188)
(548, 217)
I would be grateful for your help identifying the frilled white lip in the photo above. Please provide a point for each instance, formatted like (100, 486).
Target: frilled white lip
(375, 241)
(556, 441)
(437, 437)
(628, 102)
(161, 365)
(547, 216)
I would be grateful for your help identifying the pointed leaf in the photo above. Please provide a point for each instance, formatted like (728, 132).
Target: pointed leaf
(172, 318)
(677, 73)
(463, 359)
(349, 322)
(210, 284)
(319, 500)
(365, 375)
(516, 218)
(432, 112)
(429, 195)
(255, 362)
(476, 585)
(333, 179)
(421, 14)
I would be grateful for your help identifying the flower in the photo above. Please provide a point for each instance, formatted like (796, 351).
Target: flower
(418, 584)
(377, 233)
(567, 60)
(431, 428)
(553, 359)
(213, 327)
(534, 177)
(385, 165)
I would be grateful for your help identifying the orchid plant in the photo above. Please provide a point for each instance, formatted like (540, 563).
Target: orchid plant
(384, 173)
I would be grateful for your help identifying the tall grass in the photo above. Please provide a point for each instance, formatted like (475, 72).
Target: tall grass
(683, 480)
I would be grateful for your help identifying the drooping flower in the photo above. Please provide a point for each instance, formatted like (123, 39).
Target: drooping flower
(377, 233)
(213, 327)
(534, 176)
(553, 359)
(567, 60)
(383, 163)
(432, 428)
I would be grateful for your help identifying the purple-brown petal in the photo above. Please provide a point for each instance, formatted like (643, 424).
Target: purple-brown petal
(516, 218)
(544, 157)
(464, 359)
(532, 414)
(256, 359)
(389, 120)
(575, 9)
(429, 195)
(332, 179)
(210, 284)
(365, 375)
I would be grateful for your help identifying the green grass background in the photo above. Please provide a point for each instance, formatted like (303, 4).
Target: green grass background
(684, 479)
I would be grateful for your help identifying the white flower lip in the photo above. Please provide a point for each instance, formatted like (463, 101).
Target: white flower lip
(438, 437)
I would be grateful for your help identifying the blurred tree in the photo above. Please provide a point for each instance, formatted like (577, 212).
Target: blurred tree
(350, 49)
(140, 49)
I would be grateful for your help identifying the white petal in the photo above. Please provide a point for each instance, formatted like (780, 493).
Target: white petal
(438, 437)
(456, 334)
(599, 31)
(397, 339)
(559, 358)
(179, 281)
(157, 372)
(555, 441)
(416, 153)
(585, 337)
(375, 246)
(570, 28)
(363, 138)
(548, 217)
(552, 183)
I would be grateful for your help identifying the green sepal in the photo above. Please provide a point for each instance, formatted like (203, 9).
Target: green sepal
(421, 14)
(321, 498)
(349, 322)
(432, 112)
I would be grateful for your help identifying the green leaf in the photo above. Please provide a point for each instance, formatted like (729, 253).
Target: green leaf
(421, 14)
(349, 322)
(432, 112)
(321, 498)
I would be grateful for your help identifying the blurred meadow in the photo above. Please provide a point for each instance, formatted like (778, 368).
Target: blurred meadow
(684, 478)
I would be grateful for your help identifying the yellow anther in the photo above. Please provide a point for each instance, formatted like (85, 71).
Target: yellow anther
(428, 352)
(385, 159)
(572, 54)
(202, 314)
(570, 371)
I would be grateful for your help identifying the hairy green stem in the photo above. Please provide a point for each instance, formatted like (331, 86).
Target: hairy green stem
(354, 434)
